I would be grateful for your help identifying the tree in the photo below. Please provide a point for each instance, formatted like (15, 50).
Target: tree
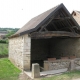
(10, 33)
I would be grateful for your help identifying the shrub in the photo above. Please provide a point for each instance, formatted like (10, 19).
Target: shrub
(2, 41)
(3, 50)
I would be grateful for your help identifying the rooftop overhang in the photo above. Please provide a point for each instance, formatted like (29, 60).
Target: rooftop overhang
(50, 34)
(17, 35)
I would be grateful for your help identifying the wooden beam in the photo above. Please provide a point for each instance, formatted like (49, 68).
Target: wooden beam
(45, 29)
(71, 28)
(55, 26)
(46, 24)
(50, 34)
(62, 18)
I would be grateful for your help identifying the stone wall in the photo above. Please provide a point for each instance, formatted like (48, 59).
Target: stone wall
(70, 64)
(65, 47)
(19, 51)
(27, 52)
(23, 50)
(57, 64)
(77, 63)
(16, 51)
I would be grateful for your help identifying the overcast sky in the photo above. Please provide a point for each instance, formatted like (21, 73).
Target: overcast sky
(16, 13)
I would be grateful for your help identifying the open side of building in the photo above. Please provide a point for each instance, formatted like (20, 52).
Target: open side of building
(52, 34)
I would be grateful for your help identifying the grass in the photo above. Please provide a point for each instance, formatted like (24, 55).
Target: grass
(3, 49)
(66, 76)
(7, 70)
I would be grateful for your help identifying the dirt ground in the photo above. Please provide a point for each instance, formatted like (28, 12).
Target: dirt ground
(23, 76)
(77, 79)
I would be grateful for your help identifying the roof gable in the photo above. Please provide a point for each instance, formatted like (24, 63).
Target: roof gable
(76, 16)
(39, 20)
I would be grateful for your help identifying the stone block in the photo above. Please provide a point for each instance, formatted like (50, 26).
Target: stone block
(26, 67)
(55, 65)
(28, 44)
(72, 57)
(27, 50)
(35, 70)
(64, 58)
(72, 65)
(28, 40)
(27, 53)
(51, 59)
(46, 65)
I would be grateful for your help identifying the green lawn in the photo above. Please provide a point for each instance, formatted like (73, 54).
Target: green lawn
(3, 49)
(66, 76)
(7, 70)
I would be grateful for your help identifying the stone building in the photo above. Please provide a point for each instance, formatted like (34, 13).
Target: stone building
(76, 16)
(51, 35)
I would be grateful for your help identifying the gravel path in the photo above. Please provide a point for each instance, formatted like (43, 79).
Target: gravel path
(23, 76)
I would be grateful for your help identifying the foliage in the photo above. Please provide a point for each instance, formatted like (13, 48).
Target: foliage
(65, 76)
(3, 50)
(9, 29)
(3, 41)
(10, 33)
(7, 70)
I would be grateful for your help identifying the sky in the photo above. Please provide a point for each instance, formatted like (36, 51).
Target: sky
(16, 13)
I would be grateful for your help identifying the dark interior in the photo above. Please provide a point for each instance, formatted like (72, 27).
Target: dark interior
(42, 49)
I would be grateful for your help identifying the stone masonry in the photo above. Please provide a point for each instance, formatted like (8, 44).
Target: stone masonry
(23, 50)
(27, 52)
(70, 64)
(19, 51)
(56, 64)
